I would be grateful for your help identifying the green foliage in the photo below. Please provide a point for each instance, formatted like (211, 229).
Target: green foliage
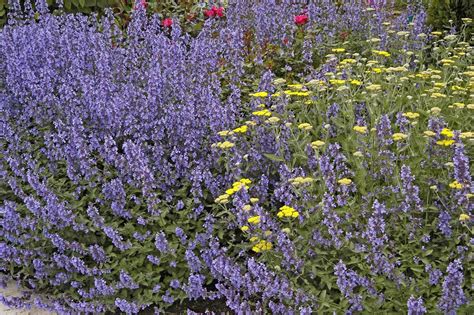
(3, 12)
(442, 13)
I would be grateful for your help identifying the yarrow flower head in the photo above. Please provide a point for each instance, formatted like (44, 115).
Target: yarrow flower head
(345, 181)
(259, 94)
(360, 129)
(411, 115)
(317, 144)
(222, 199)
(287, 211)
(381, 53)
(447, 133)
(254, 220)
(305, 126)
(238, 185)
(262, 246)
(241, 129)
(399, 136)
(445, 143)
(297, 181)
(263, 112)
(455, 185)
(224, 145)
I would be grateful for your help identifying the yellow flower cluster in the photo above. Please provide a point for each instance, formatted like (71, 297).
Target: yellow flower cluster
(448, 134)
(464, 217)
(305, 126)
(411, 115)
(347, 61)
(295, 86)
(317, 144)
(455, 185)
(254, 219)
(296, 93)
(381, 53)
(445, 143)
(272, 120)
(263, 112)
(438, 95)
(315, 82)
(377, 70)
(466, 135)
(373, 87)
(262, 246)
(243, 183)
(399, 136)
(224, 145)
(259, 94)
(241, 129)
(360, 129)
(397, 69)
(337, 81)
(344, 181)
(297, 181)
(287, 211)
(222, 199)
(459, 105)
(338, 50)
(254, 200)
(447, 62)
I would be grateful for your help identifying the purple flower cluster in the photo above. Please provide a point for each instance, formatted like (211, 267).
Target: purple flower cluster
(453, 294)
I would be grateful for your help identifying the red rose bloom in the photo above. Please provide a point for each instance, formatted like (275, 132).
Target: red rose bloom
(167, 22)
(214, 11)
(209, 13)
(218, 11)
(301, 19)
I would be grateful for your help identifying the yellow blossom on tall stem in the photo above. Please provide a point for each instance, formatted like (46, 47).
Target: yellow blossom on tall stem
(445, 143)
(345, 181)
(287, 211)
(455, 185)
(317, 144)
(244, 228)
(242, 129)
(262, 246)
(254, 219)
(259, 94)
(305, 126)
(447, 133)
(399, 136)
(360, 129)
(225, 145)
(263, 112)
(411, 115)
